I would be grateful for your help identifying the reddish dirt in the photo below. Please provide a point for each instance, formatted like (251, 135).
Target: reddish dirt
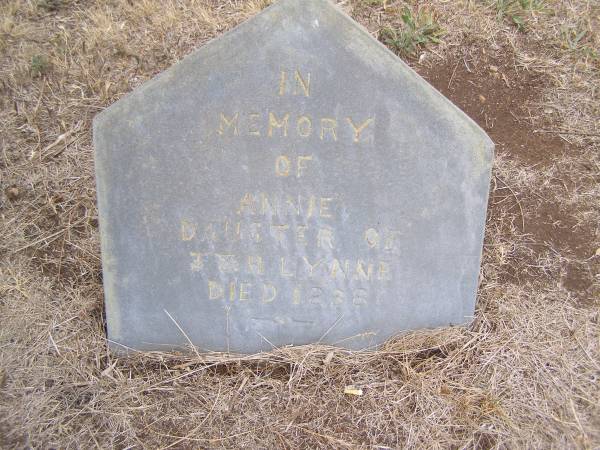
(493, 92)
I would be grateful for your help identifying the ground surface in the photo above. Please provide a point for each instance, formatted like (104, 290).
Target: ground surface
(526, 373)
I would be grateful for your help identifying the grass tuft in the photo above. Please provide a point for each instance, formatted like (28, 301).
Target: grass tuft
(419, 28)
(518, 11)
(39, 65)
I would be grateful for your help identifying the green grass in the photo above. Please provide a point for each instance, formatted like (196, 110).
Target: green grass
(39, 65)
(419, 28)
(517, 12)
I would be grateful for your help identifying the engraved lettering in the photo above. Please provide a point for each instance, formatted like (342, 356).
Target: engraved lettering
(269, 293)
(279, 231)
(296, 296)
(315, 294)
(311, 267)
(284, 270)
(338, 297)
(248, 202)
(253, 125)
(282, 166)
(360, 296)
(304, 126)
(215, 290)
(358, 129)
(245, 291)
(302, 164)
(384, 271)
(324, 210)
(255, 231)
(282, 79)
(325, 238)
(302, 83)
(336, 268)
(188, 230)
(361, 273)
(300, 235)
(226, 123)
(232, 291)
(372, 238)
(227, 263)
(274, 123)
(256, 265)
(198, 262)
(328, 126)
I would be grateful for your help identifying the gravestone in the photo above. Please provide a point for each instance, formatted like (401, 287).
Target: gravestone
(290, 182)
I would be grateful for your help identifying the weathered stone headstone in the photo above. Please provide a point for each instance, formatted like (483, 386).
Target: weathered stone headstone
(291, 182)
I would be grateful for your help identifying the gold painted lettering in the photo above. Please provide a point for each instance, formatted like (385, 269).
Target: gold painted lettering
(315, 294)
(311, 267)
(311, 206)
(227, 123)
(302, 164)
(296, 296)
(269, 293)
(336, 268)
(384, 271)
(328, 126)
(302, 84)
(324, 210)
(294, 208)
(215, 290)
(198, 262)
(301, 234)
(209, 234)
(256, 265)
(372, 238)
(244, 291)
(358, 129)
(255, 232)
(227, 263)
(266, 205)
(325, 238)
(389, 243)
(232, 291)
(360, 296)
(188, 230)
(283, 123)
(282, 79)
(247, 202)
(338, 297)
(279, 231)
(282, 166)
(284, 270)
(361, 273)
(253, 125)
(304, 126)
(236, 230)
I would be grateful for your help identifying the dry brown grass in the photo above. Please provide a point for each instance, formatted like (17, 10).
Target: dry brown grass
(526, 373)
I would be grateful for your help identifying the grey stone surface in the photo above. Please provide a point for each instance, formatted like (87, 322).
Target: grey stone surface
(290, 182)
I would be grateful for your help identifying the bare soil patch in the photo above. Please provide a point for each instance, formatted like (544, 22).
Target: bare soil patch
(500, 97)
